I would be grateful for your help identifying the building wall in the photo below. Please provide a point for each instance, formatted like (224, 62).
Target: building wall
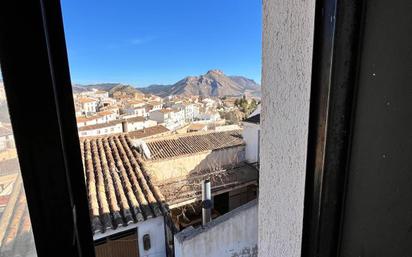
(115, 129)
(232, 234)
(183, 165)
(286, 75)
(251, 136)
(150, 123)
(132, 126)
(157, 116)
(155, 228)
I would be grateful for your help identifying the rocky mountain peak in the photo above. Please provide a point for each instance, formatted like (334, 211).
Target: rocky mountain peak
(213, 83)
(215, 72)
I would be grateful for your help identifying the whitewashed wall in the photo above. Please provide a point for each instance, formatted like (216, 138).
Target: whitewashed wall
(251, 136)
(288, 28)
(232, 234)
(155, 228)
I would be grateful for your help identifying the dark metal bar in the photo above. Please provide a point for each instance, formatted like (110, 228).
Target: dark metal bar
(35, 72)
(336, 43)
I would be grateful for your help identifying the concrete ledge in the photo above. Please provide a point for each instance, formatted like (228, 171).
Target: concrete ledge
(191, 232)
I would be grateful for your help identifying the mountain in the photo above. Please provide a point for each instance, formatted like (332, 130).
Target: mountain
(109, 87)
(213, 83)
(245, 82)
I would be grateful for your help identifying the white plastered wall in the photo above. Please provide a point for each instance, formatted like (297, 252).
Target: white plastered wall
(288, 28)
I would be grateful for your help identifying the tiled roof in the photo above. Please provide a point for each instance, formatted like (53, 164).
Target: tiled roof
(135, 119)
(86, 100)
(148, 132)
(133, 101)
(104, 113)
(192, 143)
(80, 119)
(165, 110)
(196, 126)
(100, 125)
(16, 238)
(154, 103)
(119, 191)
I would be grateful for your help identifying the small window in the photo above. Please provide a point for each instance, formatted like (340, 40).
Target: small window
(146, 242)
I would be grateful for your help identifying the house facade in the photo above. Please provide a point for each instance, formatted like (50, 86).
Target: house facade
(251, 135)
(172, 119)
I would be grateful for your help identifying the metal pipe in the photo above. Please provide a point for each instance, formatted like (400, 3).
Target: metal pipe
(206, 202)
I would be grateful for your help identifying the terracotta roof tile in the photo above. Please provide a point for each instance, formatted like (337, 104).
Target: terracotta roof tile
(100, 125)
(16, 238)
(119, 191)
(148, 132)
(86, 100)
(177, 145)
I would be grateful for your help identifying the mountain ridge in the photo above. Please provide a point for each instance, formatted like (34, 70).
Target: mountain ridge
(214, 83)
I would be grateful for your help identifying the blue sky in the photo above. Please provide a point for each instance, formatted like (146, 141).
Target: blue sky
(161, 41)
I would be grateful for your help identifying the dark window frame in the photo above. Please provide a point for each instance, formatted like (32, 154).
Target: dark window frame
(337, 44)
(37, 83)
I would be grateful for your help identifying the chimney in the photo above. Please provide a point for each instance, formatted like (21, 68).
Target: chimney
(125, 126)
(206, 202)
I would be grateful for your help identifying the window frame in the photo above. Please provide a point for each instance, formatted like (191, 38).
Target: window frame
(337, 44)
(38, 88)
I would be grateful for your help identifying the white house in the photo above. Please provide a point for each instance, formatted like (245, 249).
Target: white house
(133, 124)
(107, 116)
(87, 104)
(133, 103)
(154, 105)
(137, 111)
(171, 118)
(112, 127)
(209, 116)
(99, 118)
(251, 135)
(106, 102)
(85, 121)
(209, 103)
(191, 110)
(112, 108)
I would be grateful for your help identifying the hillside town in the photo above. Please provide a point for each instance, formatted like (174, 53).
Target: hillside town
(142, 115)
(147, 161)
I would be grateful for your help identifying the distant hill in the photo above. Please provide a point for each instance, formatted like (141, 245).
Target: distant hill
(109, 87)
(213, 83)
